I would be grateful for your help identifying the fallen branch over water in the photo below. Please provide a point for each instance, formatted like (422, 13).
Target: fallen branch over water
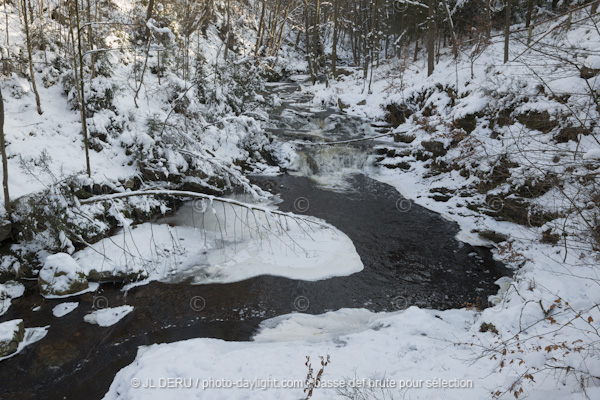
(181, 193)
(347, 141)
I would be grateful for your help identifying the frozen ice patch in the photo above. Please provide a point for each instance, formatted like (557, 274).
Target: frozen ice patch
(64, 308)
(108, 316)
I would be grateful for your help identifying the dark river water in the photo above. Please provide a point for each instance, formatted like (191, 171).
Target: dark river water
(410, 258)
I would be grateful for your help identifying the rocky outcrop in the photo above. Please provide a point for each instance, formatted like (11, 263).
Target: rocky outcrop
(5, 230)
(435, 147)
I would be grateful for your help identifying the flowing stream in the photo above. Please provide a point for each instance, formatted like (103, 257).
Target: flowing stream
(410, 254)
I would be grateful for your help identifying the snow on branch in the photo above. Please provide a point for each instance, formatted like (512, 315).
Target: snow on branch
(181, 193)
(150, 25)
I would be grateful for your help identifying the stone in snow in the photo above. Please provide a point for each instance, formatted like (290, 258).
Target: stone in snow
(11, 334)
(61, 275)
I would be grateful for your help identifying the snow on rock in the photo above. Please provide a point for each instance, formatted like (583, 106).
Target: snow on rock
(62, 275)
(11, 334)
(64, 308)
(145, 251)
(9, 290)
(30, 336)
(593, 154)
(108, 316)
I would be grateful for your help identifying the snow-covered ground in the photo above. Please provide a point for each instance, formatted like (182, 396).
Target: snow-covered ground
(416, 354)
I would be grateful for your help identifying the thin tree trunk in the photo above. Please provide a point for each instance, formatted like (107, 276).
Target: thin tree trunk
(416, 49)
(336, 7)
(317, 35)
(430, 39)
(7, 33)
(82, 106)
(4, 160)
(31, 73)
(507, 30)
(489, 17)
(260, 28)
(228, 28)
(280, 35)
(529, 13)
(308, 47)
(149, 12)
(452, 30)
(91, 39)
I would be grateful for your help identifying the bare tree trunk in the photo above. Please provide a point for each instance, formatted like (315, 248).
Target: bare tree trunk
(507, 30)
(31, 72)
(529, 13)
(430, 38)
(452, 30)
(416, 49)
(308, 47)
(317, 35)
(336, 8)
(81, 84)
(260, 29)
(4, 160)
(228, 28)
(281, 29)
(91, 39)
(149, 12)
(7, 33)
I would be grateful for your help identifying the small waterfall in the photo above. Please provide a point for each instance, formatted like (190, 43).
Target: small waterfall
(329, 166)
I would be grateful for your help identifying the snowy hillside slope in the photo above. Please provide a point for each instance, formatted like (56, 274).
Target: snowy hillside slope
(194, 126)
